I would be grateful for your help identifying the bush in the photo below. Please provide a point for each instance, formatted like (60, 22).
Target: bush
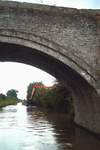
(58, 98)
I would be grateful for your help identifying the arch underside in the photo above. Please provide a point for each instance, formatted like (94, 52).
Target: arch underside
(42, 53)
(67, 56)
(23, 54)
(45, 56)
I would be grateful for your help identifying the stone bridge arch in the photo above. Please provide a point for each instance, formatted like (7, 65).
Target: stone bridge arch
(33, 53)
(66, 55)
(39, 35)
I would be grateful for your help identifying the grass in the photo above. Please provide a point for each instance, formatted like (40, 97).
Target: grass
(6, 102)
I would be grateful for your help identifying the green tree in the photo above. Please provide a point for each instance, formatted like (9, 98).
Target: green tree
(12, 93)
(2, 96)
(38, 95)
(31, 86)
(57, 98)
(29, 90)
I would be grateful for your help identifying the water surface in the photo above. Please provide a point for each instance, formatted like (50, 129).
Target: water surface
(34, 129)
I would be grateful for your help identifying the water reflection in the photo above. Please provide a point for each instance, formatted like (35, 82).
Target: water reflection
(85, 140)
(61, 128)
(26, 129)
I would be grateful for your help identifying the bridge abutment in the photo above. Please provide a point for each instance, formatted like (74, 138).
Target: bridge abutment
(87, 108)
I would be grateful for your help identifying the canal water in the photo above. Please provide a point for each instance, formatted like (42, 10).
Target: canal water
(23, 128)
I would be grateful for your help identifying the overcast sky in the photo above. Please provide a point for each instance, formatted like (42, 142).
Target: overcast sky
(18, 76)
(94, 4)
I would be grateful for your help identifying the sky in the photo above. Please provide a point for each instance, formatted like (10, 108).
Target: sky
(18, 76)
(88, 4)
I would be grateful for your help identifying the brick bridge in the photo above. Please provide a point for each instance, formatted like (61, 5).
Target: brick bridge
(64, 42)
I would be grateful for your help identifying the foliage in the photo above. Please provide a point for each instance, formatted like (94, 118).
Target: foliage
(36, 99)
(5, 102)
(12, 93)
(2, 96)
(30, 88)
(57, 98)
(10, 99)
